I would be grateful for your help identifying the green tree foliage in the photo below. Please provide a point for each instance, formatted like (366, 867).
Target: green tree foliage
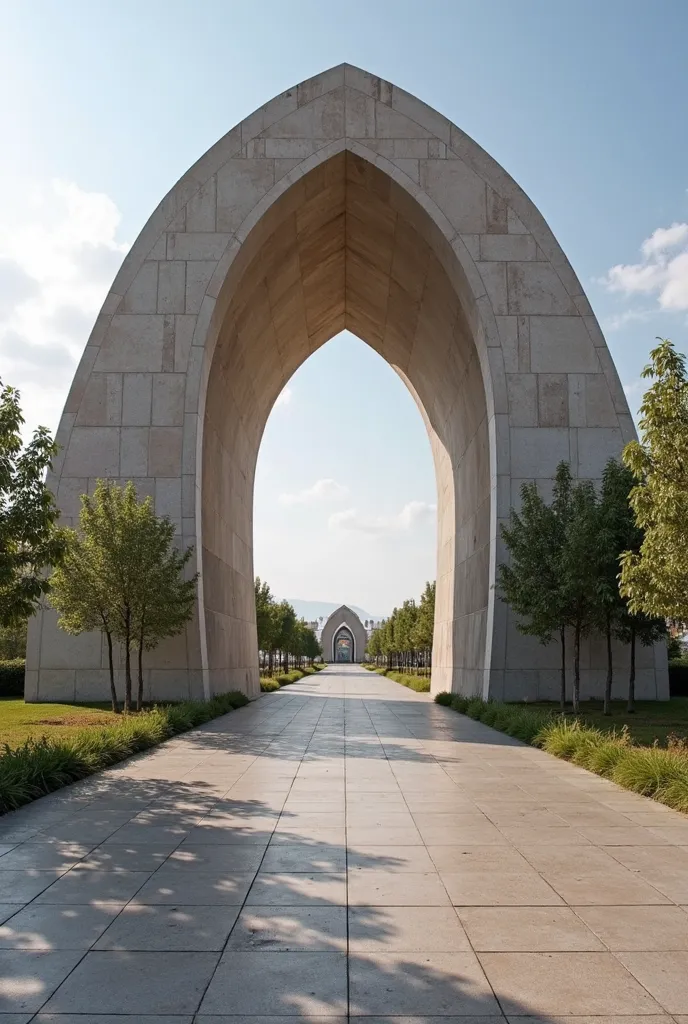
(13, 641)
(404, 640)
(531, 583)
(654, 578)
(123, 576)
(30, 539)
(281, 635)
(565, 564)
(619, 533)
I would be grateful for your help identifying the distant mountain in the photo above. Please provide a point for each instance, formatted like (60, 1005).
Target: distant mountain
(312, 610)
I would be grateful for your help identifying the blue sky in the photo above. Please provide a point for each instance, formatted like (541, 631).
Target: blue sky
(105, 105)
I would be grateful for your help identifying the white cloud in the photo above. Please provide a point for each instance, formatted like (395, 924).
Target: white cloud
(663, 270)
(322, 490)
(414, 514)
(634, 388)
(284, 398)
(619, 320)
(59, 252)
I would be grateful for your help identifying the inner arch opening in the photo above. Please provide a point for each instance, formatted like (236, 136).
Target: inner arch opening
(345, 247)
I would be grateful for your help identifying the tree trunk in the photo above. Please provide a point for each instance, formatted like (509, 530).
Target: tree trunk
(631, 678)
(562, 690)
(111, 666)
(127, 664)
(610, 670)
(139, 695)
(576, 669)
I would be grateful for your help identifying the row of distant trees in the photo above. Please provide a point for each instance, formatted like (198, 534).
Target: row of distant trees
(613, 561)
(283, 639)
(404, 640)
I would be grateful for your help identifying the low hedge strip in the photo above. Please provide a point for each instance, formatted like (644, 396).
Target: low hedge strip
(12, 678)
(39, 766)
(657, 772)
(421, 684)
(269, 684)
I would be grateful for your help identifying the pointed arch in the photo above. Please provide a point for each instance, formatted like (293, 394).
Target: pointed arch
(345, 202)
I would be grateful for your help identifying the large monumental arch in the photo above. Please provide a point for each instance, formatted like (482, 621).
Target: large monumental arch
(345, 202)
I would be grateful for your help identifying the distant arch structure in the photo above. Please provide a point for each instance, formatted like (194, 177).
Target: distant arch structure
(345, 202)
(343, 624)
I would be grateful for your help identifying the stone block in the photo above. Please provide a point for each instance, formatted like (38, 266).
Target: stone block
(599, 407)
(69, 495)
(134, 452)
(165, 451)
(535, 288)
(321, 118)
(93, 451)
(494, 278)
(359, 115)
(553, 399)
(168, 399)
(561, 344)
(197, 245)
(168, 498)
(445, 181)
(101, 404)
(596, 445)
(142, 293)
(537, 451)
(391, 124)
(184, 327)
(133, 342)
(240, 185)
(172, 286)
(507, 247)
(523, 399)
(200, 210)
(136, 401)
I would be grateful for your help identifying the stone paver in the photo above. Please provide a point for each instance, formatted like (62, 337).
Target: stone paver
(343, 847)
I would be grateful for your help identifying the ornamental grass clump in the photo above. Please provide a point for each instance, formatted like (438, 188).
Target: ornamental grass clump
(39, 766)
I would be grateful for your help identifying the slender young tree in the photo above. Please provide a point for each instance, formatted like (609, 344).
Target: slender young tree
(79, 592)
(531, 583)
(617, 532)
(136, 593)
(655, 578)
(579, 566)
(30, 539)
(165, 598)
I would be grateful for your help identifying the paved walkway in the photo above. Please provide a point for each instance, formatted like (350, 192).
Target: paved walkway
(343, 846)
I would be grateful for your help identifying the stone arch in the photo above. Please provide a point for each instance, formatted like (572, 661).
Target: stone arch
(343, 203)
(343, 617)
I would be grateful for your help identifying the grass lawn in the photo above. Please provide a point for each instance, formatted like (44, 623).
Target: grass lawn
(653, 720)
(19, 721)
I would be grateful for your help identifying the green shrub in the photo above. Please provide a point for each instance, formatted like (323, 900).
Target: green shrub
(418, 683)
(268, 685)
(39, 766)
(12, 678)
(289, 677)
(319, 666)
(444, 698)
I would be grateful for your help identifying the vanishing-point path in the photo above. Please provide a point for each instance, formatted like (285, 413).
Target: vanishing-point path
(343, 846)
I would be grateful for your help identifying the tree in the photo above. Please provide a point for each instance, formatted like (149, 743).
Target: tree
(579, 567)
(30, 539)
(165, 599)
(79, 592)
(531, 583)
(632, 627)
(655, 578)
(617, 532)
(123, 576)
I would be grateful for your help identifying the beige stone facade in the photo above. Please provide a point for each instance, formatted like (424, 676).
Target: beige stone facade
(343, 203)
(343, 618)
